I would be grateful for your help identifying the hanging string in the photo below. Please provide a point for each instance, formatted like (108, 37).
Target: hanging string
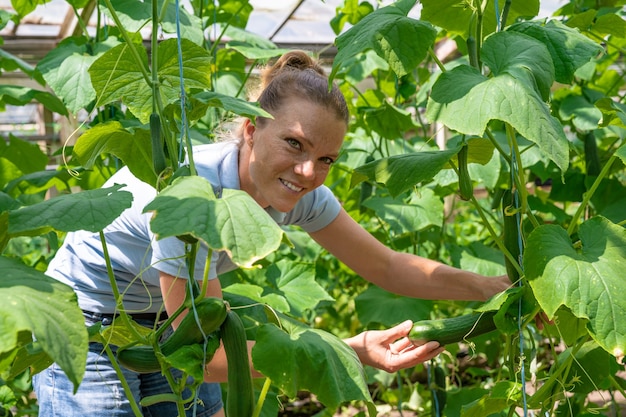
(520, 260)
(184, 131)
(497, 9)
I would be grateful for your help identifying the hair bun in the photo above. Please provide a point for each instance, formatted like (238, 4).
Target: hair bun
(292, 60)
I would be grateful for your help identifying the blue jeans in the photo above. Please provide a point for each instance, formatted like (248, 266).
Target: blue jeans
(101, 394)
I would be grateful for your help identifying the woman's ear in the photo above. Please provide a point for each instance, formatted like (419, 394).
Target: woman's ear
(248, 131)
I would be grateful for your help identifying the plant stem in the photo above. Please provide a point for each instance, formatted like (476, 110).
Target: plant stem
(587, 196)
(494, 235)
(259, 404)
(129, 42)
(119, 304)
(435, 58)
(129, 394)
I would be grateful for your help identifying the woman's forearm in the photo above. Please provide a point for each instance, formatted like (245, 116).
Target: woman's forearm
(419, 277)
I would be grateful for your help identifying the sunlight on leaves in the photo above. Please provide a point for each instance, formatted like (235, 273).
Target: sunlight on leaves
(234, 223)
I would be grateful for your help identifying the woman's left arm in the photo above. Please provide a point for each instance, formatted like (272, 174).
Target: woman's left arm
(402, 273)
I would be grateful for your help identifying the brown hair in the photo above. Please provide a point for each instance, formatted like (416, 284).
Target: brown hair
(296, 73)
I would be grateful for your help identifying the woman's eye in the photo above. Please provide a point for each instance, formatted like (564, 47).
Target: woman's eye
(293, 143)
(327, 161)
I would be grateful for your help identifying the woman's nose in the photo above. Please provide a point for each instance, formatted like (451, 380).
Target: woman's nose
(305, 168)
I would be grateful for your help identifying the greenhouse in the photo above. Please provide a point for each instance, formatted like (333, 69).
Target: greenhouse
(313, 208)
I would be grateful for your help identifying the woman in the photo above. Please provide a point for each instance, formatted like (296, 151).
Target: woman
(282, 164)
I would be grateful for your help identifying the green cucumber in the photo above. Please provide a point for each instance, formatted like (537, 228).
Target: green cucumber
(466, 189)
(454, 329)
(211, 313)
(592, 159)
(158, 154)
(510, 233)
(240, 396)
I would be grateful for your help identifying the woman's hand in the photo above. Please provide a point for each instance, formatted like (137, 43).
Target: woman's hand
(391, 349)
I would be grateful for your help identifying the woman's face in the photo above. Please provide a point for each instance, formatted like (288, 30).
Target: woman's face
(284, 158)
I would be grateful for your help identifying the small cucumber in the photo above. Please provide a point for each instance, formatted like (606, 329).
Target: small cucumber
(510, 233)
(158, 154)
(454, 329)
(211, 313)
(466, 189)
(592, 159)
(240, 396)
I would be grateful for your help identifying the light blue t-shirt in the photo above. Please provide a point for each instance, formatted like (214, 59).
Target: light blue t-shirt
(137, 256)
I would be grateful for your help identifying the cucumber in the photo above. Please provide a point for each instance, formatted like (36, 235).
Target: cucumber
(211, 313)
(592, 159)
(240, 395)
(454, 329)
(158, 154)
(510, 233)
(466, 189)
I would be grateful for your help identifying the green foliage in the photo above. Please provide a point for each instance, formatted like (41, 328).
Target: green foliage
(529, 105)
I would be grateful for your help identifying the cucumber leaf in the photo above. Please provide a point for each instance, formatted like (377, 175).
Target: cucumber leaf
(458, 96)
(400, 40)
(234, 223)
(65, 69)
(90, 210)
(586, 277)
(568, 48)
(111, 138)
(32, 302)
(298, 357)
(118, 75)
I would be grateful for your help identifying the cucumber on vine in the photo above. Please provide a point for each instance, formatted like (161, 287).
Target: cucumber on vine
(240, 396)
(510, 233)
(453, 329)
(466, 189)
(211, 313)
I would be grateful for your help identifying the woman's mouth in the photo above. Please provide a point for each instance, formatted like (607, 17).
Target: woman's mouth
(291, 186)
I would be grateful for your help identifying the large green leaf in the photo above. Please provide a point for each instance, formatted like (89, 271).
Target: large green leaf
(465, 101)
(402, 172)
(65, 69)
(587, 278)
(91, 210)
(234, 223)
(302, 358)
(32, 302)
(111, 138)
(523, 57)
(454, 15)
(118, 75)
(400, 40)
(568, 48)
(423, 210)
